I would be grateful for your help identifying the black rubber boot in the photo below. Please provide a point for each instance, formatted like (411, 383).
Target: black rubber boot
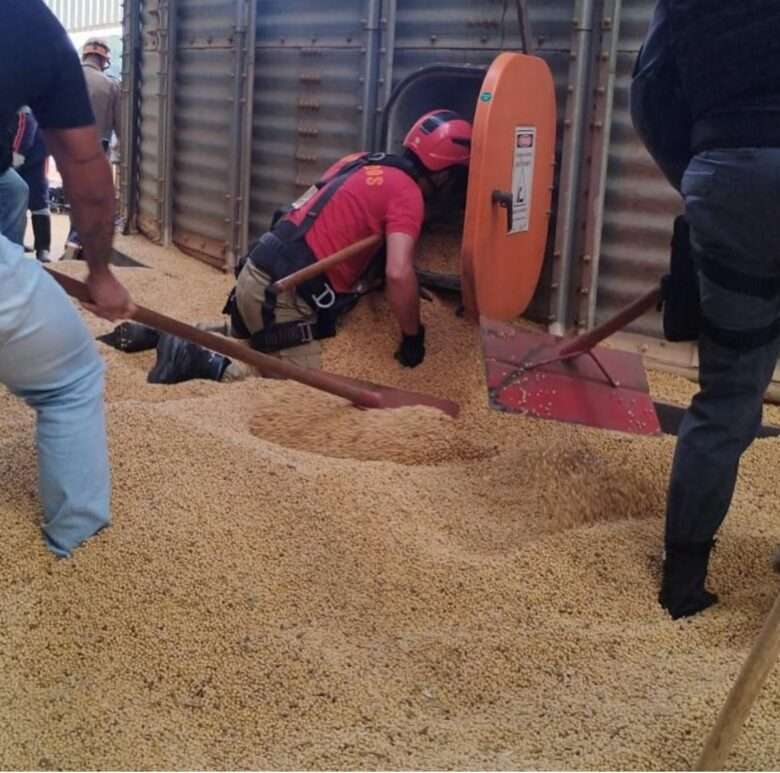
(41, 226)
(131, 337)
(179, 360)
(682, 586)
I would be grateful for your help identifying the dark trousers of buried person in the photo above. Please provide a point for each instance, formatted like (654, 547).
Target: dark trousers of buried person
(731, 203)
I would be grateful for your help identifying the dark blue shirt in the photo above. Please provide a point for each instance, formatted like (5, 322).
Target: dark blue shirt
(39, 67)
(658, 43)
(657, 40)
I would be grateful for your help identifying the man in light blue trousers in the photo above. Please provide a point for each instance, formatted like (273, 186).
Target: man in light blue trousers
(47, 356)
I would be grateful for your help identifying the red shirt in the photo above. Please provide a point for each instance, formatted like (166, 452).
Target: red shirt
(374, 200)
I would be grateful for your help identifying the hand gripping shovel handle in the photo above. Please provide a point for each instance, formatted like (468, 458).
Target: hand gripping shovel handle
(362, 394)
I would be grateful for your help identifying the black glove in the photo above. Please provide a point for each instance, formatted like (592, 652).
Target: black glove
(412, 351)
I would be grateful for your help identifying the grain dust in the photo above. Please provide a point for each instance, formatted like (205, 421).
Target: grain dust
(291, 583)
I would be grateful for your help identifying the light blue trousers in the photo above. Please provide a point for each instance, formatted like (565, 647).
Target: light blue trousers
(14, 195)
(48, 358)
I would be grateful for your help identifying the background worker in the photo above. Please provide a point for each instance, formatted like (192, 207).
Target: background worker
(46, 354)
(104, 92)
(360, 196)
(30, 157)
(105, 99)
(724, 59)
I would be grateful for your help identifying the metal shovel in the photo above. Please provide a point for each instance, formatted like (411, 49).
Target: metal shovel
(571, 380)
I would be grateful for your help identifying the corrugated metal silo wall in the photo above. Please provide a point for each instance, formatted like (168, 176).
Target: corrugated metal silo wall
(317, 94)
(310, 60)
(203, 111)
(639, 205)
(469, 32)
(151, 173)
(130, 118)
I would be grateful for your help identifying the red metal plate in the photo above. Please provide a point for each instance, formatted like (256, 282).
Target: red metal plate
(574, 391)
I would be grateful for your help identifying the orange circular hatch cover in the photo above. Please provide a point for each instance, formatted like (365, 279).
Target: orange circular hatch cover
(510, 187)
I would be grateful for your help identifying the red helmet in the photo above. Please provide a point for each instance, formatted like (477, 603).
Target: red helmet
(440, 139)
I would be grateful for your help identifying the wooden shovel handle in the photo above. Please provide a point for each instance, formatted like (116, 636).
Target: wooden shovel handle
(587, 341)
(364, 394)
(321, 266)
(758, 666)
(326, 382)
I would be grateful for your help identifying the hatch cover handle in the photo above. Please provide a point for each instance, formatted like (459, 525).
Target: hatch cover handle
(507, 201)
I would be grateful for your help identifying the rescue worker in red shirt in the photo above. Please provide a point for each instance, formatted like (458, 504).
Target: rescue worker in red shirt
(360, 196)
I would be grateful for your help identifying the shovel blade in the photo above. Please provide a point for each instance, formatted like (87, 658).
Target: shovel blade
(574, 391)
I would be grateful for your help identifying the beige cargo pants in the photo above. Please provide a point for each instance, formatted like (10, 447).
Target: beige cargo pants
(250, 294)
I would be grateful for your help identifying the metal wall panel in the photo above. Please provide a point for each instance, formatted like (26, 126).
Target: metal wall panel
(467, 32)
(319, 23)
(84, 15)
(208, 111)
(310, 64)
(489, 25)
(201, 167)
(639, 204)
(153, 109)
(205, 22)
(130, 120)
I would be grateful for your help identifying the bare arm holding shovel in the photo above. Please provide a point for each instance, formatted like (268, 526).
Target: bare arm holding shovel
(87, 177)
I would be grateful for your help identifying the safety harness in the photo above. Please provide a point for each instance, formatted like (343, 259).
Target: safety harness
(283, 251)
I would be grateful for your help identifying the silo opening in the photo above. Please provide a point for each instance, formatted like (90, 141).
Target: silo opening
(446, 87)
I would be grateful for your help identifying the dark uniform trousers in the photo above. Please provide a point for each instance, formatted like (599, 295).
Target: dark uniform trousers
(731, 200)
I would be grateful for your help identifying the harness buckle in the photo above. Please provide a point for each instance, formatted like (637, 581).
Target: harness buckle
(326, 299)
(307, 332)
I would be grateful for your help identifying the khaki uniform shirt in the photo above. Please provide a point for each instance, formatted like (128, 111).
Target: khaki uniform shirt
(104, 96)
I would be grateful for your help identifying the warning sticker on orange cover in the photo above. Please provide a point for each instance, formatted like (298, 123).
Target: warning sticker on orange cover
(523, 178)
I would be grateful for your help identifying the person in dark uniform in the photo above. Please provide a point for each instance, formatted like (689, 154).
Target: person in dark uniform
(47, 356)
(13, 190)
(719, 112)
(31, 157)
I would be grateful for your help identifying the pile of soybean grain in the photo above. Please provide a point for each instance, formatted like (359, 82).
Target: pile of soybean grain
(439, 250)
(259, 605)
